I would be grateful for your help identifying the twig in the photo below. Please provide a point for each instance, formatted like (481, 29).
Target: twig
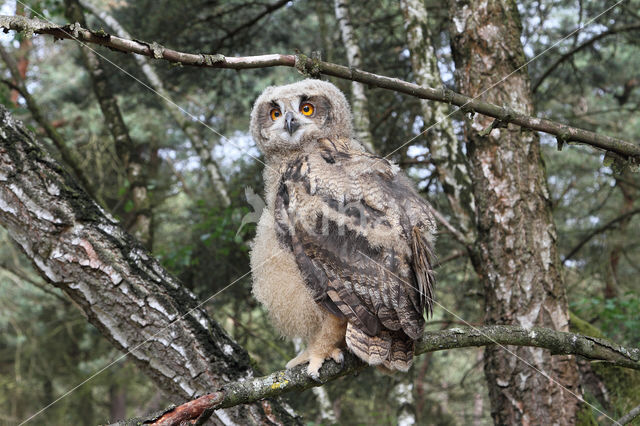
(597, 231)
(310, 66)
(561, 59)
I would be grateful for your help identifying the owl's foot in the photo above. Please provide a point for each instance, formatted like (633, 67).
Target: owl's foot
(315, 362)
(300, 359)
(315, 359)
(326, 344)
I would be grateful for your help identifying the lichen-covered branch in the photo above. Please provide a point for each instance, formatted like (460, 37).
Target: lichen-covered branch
(297, 380)
(123, 291)
(310, 66)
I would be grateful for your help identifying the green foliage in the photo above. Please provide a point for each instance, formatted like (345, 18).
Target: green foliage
(616, 317)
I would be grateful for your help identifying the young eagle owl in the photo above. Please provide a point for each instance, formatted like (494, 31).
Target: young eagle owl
(342, 252)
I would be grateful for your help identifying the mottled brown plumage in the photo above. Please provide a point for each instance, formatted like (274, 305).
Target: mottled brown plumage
(356, 234)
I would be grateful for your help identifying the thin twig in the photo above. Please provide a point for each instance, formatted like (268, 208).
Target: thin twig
(597, 231)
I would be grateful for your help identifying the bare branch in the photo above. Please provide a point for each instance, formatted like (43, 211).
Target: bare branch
(314, 67)
(587, 43)
(296, 379)
(599, 230)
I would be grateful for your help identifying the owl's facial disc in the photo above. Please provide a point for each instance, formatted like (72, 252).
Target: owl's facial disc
(293, 119)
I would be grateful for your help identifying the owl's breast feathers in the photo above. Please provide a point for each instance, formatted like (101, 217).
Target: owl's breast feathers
(362, 238)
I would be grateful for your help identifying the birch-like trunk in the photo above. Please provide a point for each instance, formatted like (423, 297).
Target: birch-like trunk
(139, 218)
(517, 251)
(444, 148)
(359, 103)
(198, 144)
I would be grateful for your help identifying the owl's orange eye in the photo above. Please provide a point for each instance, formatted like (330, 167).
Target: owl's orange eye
(275, 113)
(306, 109)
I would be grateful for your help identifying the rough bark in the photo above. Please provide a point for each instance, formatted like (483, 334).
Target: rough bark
(444, 148)
(517, 252)
(308, 66)
(176, 113)
(124, 292)
(139, 217)
(296, 379)
(359, 103)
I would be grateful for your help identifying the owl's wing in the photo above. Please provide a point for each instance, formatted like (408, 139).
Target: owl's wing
(361, 237)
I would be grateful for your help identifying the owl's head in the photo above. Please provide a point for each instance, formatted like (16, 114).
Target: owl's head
(285, 119)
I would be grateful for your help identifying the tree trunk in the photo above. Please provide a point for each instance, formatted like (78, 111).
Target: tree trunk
(517, 253)
(444, 148)
(124, 292)
(139, 218)
(354, 58)
(198, 144)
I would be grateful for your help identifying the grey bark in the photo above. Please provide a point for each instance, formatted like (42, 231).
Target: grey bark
(199, 145)
(359, 103)
(517, 251)
(124, 292)
(444, 148)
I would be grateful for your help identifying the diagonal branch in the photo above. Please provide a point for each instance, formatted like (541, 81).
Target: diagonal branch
(295, 379)
(599, 230)
(585, 44)
(310, 66)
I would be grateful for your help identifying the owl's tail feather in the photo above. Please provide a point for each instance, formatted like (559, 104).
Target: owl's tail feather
(392, 350)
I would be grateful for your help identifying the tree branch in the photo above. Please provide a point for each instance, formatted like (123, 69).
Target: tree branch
(597, 231)
(570, 53)
(628, 418)
(296, 379)
(314, 67)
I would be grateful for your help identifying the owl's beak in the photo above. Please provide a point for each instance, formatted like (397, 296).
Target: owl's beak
(290, 123)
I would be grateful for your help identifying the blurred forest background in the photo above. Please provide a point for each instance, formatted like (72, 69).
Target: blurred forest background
(195, 191)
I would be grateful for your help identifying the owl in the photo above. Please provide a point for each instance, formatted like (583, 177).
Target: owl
(343, 250)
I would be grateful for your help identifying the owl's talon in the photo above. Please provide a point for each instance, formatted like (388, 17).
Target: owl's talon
(300, 359)
(313, 370)
(338, 356)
